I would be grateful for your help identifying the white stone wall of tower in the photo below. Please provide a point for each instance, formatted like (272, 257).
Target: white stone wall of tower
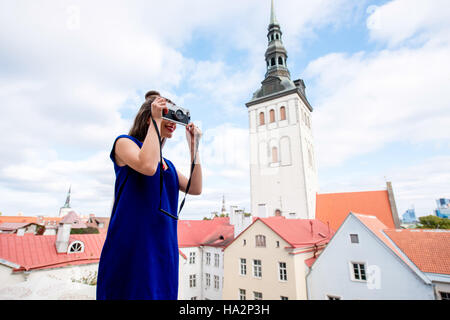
(290, 185)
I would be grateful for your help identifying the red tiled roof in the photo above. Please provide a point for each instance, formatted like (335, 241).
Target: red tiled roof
(378, 228)
(297, 232)
(334, 207)
(192, 233)
(27, 219)
(9, 226)
(428, 249)
(39, 252)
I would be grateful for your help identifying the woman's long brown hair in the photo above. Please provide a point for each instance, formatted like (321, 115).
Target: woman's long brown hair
(140, 127)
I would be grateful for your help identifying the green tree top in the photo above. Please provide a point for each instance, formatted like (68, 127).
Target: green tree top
(433, 222)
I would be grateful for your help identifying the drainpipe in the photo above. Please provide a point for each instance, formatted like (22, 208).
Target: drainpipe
(201, 272)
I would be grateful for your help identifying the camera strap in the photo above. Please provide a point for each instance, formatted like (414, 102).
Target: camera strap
(161, 171)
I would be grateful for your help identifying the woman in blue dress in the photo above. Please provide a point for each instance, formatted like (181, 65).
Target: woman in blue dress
(139, 259)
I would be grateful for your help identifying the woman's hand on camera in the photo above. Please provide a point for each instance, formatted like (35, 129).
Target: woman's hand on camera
(193, 135)
(157, 108)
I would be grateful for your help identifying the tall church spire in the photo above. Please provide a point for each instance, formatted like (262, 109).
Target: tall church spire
(273, 18)
(277, 77)
(67, 204)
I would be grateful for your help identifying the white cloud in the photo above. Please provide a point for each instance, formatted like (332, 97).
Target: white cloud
(367, 100)
(65, 79)
(410, 20)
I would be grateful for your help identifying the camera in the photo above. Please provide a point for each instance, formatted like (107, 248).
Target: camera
(176, 114)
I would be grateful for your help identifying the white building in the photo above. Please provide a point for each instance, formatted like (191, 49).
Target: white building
(282, 158)
(201, 244)
(362, 262)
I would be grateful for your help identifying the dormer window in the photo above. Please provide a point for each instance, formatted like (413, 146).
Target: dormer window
(76, 247)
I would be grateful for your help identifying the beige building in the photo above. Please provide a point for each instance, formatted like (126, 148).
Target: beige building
(270, 258)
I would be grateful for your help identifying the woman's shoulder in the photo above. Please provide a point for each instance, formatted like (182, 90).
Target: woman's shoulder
(126, 136)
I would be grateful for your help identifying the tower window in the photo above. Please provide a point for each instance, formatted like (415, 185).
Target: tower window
(274, 155)
(277, 36)
(272, 116)
(261, 119)
(280, 61)
(272, 62)
(283, 113)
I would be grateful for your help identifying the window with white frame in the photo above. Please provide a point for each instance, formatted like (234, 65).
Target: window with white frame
(243, 267)
(242, 294)
(216, 282)
(354, 238)
(260, 240)
(76, 247)
(216, 259)
(208, 279)
(191, 257)
(208, 258)
(358, 271)
(257, 295)
(282, 271)
(192, 281)
(257, 268)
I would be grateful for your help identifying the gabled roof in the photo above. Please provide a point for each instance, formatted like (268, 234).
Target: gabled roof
(377, 229)
(299, 232)
(428, 249)
(296, 232)
(10, 226)
(334, 207)
(32, 252)
(217, 232)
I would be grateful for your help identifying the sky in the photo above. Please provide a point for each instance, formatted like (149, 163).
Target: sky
(73, 75)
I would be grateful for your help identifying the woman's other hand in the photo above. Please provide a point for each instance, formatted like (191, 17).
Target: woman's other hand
(193, 135)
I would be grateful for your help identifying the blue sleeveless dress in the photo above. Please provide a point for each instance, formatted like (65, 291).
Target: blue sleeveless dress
(139, 259)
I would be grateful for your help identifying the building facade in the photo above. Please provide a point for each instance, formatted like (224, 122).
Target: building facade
(361, 262)
(268, 260)
(283, 169)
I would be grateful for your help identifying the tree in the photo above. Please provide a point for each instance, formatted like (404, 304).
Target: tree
(433, 222)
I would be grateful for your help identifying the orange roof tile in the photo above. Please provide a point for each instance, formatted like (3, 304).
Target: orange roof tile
(334, 207)
(428, 249)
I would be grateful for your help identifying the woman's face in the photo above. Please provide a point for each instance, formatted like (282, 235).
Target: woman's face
(167, 128)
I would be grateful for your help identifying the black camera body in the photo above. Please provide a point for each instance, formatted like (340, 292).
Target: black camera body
(177, 114)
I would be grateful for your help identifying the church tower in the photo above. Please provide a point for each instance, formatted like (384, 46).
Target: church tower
(283, 172)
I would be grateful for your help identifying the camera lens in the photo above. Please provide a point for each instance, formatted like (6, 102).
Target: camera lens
(179, 114)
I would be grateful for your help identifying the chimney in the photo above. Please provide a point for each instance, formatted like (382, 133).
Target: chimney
(393, 205)
(62, 237)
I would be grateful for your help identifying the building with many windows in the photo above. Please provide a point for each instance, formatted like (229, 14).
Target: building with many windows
(201, 244)
(443, 208)
(269, 259)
